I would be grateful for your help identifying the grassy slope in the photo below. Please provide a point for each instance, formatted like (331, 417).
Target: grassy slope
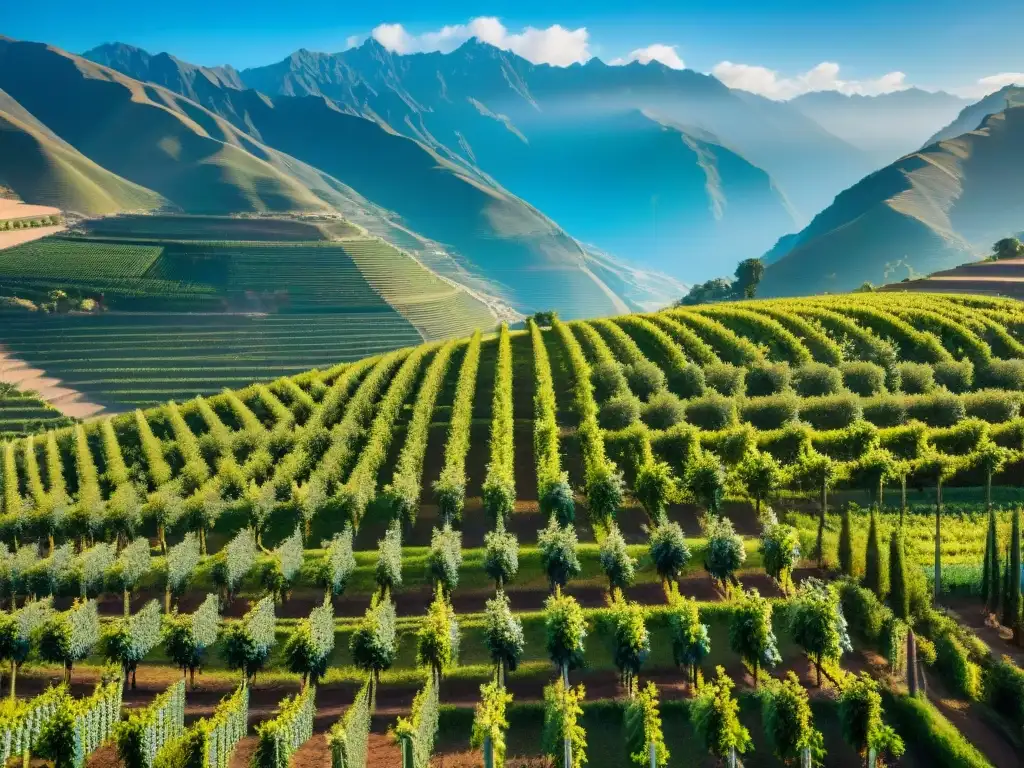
(929, 211)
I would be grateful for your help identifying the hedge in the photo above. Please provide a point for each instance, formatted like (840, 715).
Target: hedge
(347, 738)
(416, 735)
(145, 731)
(292, 726)
(209, 742)
(450, 488)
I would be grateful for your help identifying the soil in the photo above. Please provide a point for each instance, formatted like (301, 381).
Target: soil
(13, 237)
(50, 390)
(970, 612)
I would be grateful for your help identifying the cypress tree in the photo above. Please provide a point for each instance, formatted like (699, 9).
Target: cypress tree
(873, 558)
(899, 597)
(846, 545)
(1005, 620)
(1013, 597)
(994, 571)
(986, 565)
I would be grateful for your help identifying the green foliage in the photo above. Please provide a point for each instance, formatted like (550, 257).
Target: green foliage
(863, 378)
(490, 721)
(338, 563)
(248, 642)
(932, 734)
(607, 377)
(751, 634)
(545, 425)
(761, 474)
(126, 641)
(499, 488)
(845, 544)
(715, 715)
(618, 567)
(187, 636)
(78, 727)
(445, 558)
(146, 730)
(780, 551)
(770, 411)
(748, 276)
(558, 502)
(182, 560)
(239, 556)
(619, 411)
(68, 637)
(388, 572)
(309, 646)
(860, 713)
(347, 738)
(286, 561)
(631, 641)
(565, 629)
(643, 728)
(644, 378)
(691, 642)
(557, 545)
(437, 645)
(374, 643)
(873, 579)
(416, 735)
(725, 551)
(668, 549)
(705, 479)
(503, 632)
(22, 720)
(817, 624)
(655, 487)
(290, 728)
(501, 555)
(209, 742)
(562, 712)
(788, 722)
(1003, 689)
(664, 410)
(817, 379)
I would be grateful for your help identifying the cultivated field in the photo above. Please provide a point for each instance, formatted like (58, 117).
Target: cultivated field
(578, 501)
(986, 278)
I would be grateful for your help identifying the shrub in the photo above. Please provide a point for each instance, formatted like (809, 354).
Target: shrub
(860, 713)
(952, 659)
(663, 410)
(655, 487)
(608, 379)
(955, 375)
(68, 637)
(711, 412)
(817, 379)
(437, 645)
(886, 410)
(247, 642)
(688, 381)
(645, 378)
(725, 379)
(847, 444)
(993, 406)
(557, 500)
(388, 571)
(770, 412)
(145, 731)
(785, 445)
(817, 624)
(916, 378)
(489, 720)
(503, 635)
(715, 716)
(1003, 374)
(725, 551)
(78, 727)
(347, 738)
(619, 411)
(277, 739)
(565, 629)
(788, 721)
(864, 379)
(631, 642)
(691, 642)
(677, 444)
(562, 713)
(767, 379)
(1004, 689)
(643, 728)
(501, 555)
(619, 568)
(831, 412)
(127, 641)
(209, 742)
(338, 563)
(373, 645)
(750, 632)
(668, 550)
(940, 409)
(558, 556)
(187, 636)
(309, 646)
(445, 558)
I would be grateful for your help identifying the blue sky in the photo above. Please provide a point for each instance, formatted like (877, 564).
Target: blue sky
(934, 43)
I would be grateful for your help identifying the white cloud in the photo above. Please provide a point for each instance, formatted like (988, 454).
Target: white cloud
(824, 77)
(986, 85)
(666, 54)
(353, 41)
(553, 45)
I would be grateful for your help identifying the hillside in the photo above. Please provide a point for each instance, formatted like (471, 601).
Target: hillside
(43, 168)
(886, 126)
(929, 211)
(651, 164)
(983, 278)
(973, 115)
(287, 527)
(302, 154)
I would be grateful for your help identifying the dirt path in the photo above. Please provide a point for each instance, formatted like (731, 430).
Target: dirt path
(68, 401)
(999, 639)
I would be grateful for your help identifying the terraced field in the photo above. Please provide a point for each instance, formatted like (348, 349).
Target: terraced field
(23, 412)
(204, 228)
(985, 278)
(503, 491)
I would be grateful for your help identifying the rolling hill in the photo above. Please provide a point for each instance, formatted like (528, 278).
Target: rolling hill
(886, 126)
(262, 154)
(669, 169)
(929, 211)
(971, 116)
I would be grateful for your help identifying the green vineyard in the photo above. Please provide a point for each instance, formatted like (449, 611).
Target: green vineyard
(778, 531)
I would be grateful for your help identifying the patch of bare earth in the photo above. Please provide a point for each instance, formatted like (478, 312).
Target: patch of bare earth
(49, 389)
(13, 237)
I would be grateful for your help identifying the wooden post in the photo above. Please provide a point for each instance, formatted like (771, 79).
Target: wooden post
(568, 752)
(911, 662)
(407, 761)
(488, 752)
(654, 755)
(872, 757)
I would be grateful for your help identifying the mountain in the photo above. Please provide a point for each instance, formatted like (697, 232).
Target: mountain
(930, 210)
(971, 116)
(885, 127)
(49, 171)
(250, 152)
(669, 168)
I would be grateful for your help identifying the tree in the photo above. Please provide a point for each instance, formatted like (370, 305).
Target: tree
(181, 562)
(503, 635)
(899, 592)
(123, 515)
(388, 572)
(940, 468)
(233, 563)
(565, 628)
(437, 645)
(247, 642)
(789, 723)
(562, 713)
(126, 641)
(68, 637)
(16, 634)
(373, 645)
(748, 276)
(187, 636)
(817, 624)
(821, 472)
(845, 544)
(668, 550)
(308, 648)
(131, 565)
(872, 470)
(619, 568)
(260, 502)
(631, 642)
(719, 289)
(991, 458)
(605, 489)
(202, 509)
(557, 547)
(445, 558)
(691, 642)
(873, 559)
(716, 717)
(991, 578)
(490, 722)
(558, 501)
(1013, 600)
(643, 727)
(725, 551)
(165, 507)
(761, 474)
(501, 555)
(751, 634)
(654, 487)
(1008, 248)
(860, 714)
(338, 563)
(705, 479)
(780, 551)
